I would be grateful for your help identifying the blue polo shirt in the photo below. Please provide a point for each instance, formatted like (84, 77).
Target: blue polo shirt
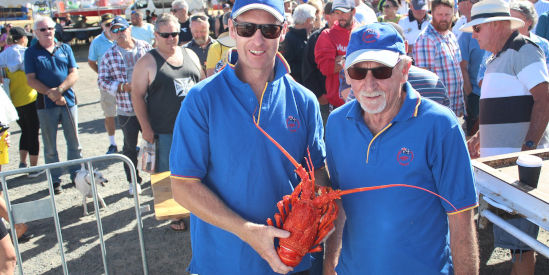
(51, 69)
(473, 54)
(98, 47)
(215, 140)
(423, 146)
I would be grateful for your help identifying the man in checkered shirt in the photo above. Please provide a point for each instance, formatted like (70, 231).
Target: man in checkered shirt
(437, 50)
(115, 76)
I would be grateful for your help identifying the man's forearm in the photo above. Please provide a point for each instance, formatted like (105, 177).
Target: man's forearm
(202, 202)
(332, 247)
(463, 243)
(37, 85)
(538, 121)
(69, 81)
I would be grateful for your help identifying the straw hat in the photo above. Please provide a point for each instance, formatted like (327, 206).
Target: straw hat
(489, 11)
(226, 40)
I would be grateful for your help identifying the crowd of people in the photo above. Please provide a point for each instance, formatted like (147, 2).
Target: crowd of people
(449, 82)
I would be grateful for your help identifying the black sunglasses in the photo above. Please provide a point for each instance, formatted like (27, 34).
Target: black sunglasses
(476, 28)
(117, 30)
(108, 25)
(167, 34)
(45, 29)
(269, 31)
(357, 73)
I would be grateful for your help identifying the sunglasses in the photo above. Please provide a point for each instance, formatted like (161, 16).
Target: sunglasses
(167, 34)
(357, 73)
(198, 17)
(387, 6)
(117, 30)
(108, 25)
(45, 29)
(269, 31)
(476, 28)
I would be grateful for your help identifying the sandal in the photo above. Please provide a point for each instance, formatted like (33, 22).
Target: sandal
(178, 225)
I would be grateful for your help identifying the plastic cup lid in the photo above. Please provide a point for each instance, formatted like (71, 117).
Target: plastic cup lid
(529, 161)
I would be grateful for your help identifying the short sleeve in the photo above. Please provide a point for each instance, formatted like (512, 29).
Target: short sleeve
(29, 62)
(452, 170)
(531, 67)
(214, 55)
(190, 150)
(70, 54)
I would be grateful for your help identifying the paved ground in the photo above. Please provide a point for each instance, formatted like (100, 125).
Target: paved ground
(168, 252)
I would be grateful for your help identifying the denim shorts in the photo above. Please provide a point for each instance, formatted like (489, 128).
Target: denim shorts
(505, 240)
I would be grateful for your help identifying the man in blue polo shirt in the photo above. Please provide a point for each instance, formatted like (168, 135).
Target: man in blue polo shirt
(223, 169)
(391, 135)
(52, 71)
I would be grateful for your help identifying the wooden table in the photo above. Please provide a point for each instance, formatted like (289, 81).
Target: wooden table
(497, 181)
(165, 207)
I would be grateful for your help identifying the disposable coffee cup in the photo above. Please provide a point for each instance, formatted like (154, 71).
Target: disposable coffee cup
(529, 168)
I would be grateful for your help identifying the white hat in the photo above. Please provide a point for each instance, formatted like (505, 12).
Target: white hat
(489, 11)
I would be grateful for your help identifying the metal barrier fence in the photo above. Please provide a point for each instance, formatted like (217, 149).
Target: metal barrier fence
(45, 208)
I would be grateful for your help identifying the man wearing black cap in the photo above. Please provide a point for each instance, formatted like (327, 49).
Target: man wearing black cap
(98, 47)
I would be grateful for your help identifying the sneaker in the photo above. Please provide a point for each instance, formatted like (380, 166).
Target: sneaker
(22, 165)
(138, 189)
(36, 174)
(57, 189)
(112, 149)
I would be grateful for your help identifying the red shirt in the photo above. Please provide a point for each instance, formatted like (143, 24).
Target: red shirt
(331, 43)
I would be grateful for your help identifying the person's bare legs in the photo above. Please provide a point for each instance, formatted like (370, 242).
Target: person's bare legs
(23, 156)
(110, 125)
(8, 259)
(20, 228)
(33, 160)
(525, 265)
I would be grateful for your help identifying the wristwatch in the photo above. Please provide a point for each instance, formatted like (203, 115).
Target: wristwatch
(530, 145)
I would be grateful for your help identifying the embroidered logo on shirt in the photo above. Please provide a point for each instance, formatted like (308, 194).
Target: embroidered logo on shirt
(370, 36)
(405, 156)
(292, 123)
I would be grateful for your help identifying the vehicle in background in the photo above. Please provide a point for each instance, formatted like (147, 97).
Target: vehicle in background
(159, 7)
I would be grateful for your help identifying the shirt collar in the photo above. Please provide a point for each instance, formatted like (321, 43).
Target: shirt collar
(409, 108)
(508, 42)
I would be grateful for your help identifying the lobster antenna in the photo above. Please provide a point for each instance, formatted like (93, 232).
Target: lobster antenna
(294, 162)
(350, 191)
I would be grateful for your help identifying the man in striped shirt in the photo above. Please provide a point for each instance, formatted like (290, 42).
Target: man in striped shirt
(437, 50)
(513, 104)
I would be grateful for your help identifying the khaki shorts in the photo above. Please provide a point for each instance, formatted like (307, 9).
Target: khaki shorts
(108, 104)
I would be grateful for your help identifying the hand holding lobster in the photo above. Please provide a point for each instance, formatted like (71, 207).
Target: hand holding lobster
(309, 212)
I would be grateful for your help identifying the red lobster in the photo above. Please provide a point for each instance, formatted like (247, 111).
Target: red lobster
(313, 210)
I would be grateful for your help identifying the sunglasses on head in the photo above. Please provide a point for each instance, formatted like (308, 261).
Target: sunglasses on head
(269, 31)
(357, 73)
(167, 34)
(199, 17)
(117, 30)
(45, 29)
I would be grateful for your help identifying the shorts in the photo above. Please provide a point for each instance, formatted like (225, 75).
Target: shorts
(505, 240)
(108, 104)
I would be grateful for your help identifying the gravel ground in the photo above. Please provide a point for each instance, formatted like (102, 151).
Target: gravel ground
(168, 252)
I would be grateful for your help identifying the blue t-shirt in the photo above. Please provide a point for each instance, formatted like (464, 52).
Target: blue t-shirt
(51, 69)
(215, 140)
(98, 47)
(423, 146)
(473, 54)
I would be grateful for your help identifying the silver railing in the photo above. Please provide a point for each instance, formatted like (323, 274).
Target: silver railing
(45, 208)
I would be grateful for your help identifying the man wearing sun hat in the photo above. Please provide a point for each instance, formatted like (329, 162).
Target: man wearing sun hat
(392, 135)
(223, 169)
(513, 104)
